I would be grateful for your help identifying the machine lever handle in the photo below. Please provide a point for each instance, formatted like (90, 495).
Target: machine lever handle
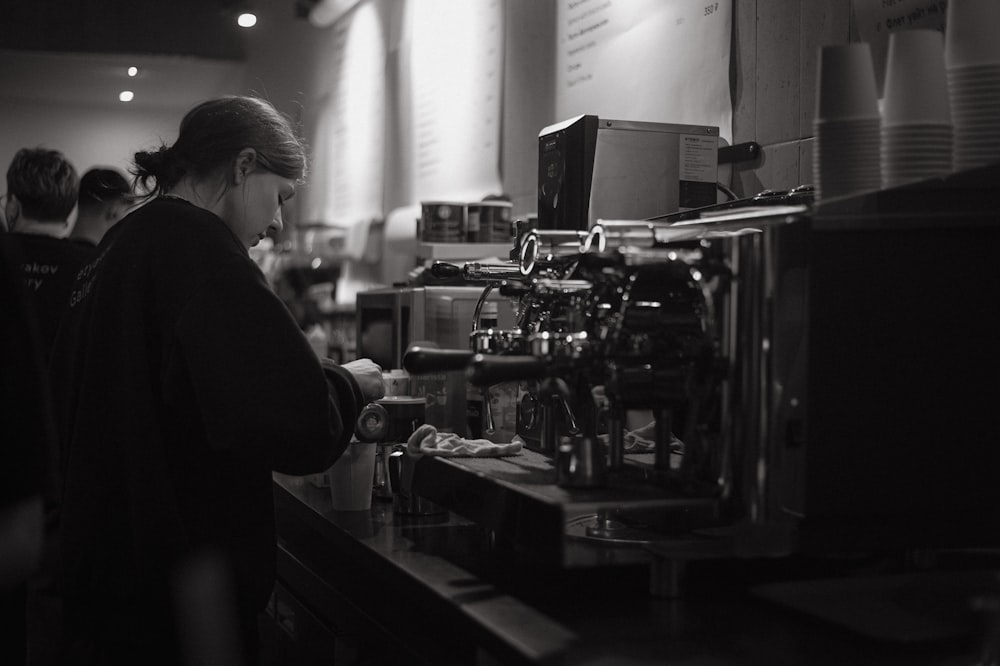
(487, 369)
(425, 360)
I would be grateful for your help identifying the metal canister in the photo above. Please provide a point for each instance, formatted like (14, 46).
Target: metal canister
(495, 221)
(443, 221)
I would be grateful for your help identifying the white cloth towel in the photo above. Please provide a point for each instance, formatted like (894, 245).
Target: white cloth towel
(643, 439)
(427, 440)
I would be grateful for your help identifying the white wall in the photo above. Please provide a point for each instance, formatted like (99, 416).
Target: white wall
(88, 135)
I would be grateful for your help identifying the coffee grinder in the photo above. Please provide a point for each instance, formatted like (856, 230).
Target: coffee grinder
(388, 422)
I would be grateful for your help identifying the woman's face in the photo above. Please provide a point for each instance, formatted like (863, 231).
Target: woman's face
(255, 205)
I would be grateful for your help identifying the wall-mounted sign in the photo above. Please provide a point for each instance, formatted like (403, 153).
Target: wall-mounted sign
(877, 18)
(645, 60)
(455, 74)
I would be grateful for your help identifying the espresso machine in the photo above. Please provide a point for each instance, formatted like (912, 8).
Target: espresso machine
(817, 371)
(599, 333)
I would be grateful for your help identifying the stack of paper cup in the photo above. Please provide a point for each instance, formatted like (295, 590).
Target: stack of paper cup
(846, 158)
(972, 60)
(916, 117)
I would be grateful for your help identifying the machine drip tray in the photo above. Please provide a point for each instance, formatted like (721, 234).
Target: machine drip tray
(605, 530)
(517, 497)
(610, 532)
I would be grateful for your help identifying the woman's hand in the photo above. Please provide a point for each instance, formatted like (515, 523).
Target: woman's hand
(369, 377)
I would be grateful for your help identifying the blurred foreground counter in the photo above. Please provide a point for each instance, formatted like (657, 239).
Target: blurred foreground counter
(376, 587)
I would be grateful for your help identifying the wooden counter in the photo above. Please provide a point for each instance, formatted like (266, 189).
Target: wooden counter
(387, 584)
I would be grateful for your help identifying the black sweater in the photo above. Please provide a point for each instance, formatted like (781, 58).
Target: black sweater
(180, 381)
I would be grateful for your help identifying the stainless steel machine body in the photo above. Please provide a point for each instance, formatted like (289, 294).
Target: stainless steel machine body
(831, 376)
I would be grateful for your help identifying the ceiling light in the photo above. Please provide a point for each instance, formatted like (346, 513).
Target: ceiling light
(132, 71)
(246, 20)
(126, 95)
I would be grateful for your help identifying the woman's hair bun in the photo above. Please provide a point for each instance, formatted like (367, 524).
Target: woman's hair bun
(162, 166)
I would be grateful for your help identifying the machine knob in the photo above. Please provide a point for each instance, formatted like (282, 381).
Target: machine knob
(441, 269)
(373, 423)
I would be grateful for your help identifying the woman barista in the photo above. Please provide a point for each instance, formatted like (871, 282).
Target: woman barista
(181, 381)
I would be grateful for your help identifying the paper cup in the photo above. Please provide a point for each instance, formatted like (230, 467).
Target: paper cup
(971, 33)
(846, 156)
(351, 478)
(846, 87)
(916, 87)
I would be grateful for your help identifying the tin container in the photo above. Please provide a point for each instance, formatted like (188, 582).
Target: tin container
(495, 221)
(475, 230)
(443, 221)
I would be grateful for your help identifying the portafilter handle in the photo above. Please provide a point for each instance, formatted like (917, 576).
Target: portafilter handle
(424, 360)
(487, 369)
(475, 270)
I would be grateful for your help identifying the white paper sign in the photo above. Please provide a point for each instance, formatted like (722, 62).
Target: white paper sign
(645, 60)
(877, 18)
(456, 75)
(348, 147)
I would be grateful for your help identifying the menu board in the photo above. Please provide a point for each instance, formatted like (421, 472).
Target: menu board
(348, 147)
(876, 19)
(455, 71)
(645, 60)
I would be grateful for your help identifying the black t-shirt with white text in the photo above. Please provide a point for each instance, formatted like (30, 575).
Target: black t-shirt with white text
(48, 268)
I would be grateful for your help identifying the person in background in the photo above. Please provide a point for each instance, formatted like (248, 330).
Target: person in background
(180, 381)
(104, 198)
(41, 194)
(27, 444)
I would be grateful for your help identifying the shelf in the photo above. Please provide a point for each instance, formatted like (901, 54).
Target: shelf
(469, 251)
